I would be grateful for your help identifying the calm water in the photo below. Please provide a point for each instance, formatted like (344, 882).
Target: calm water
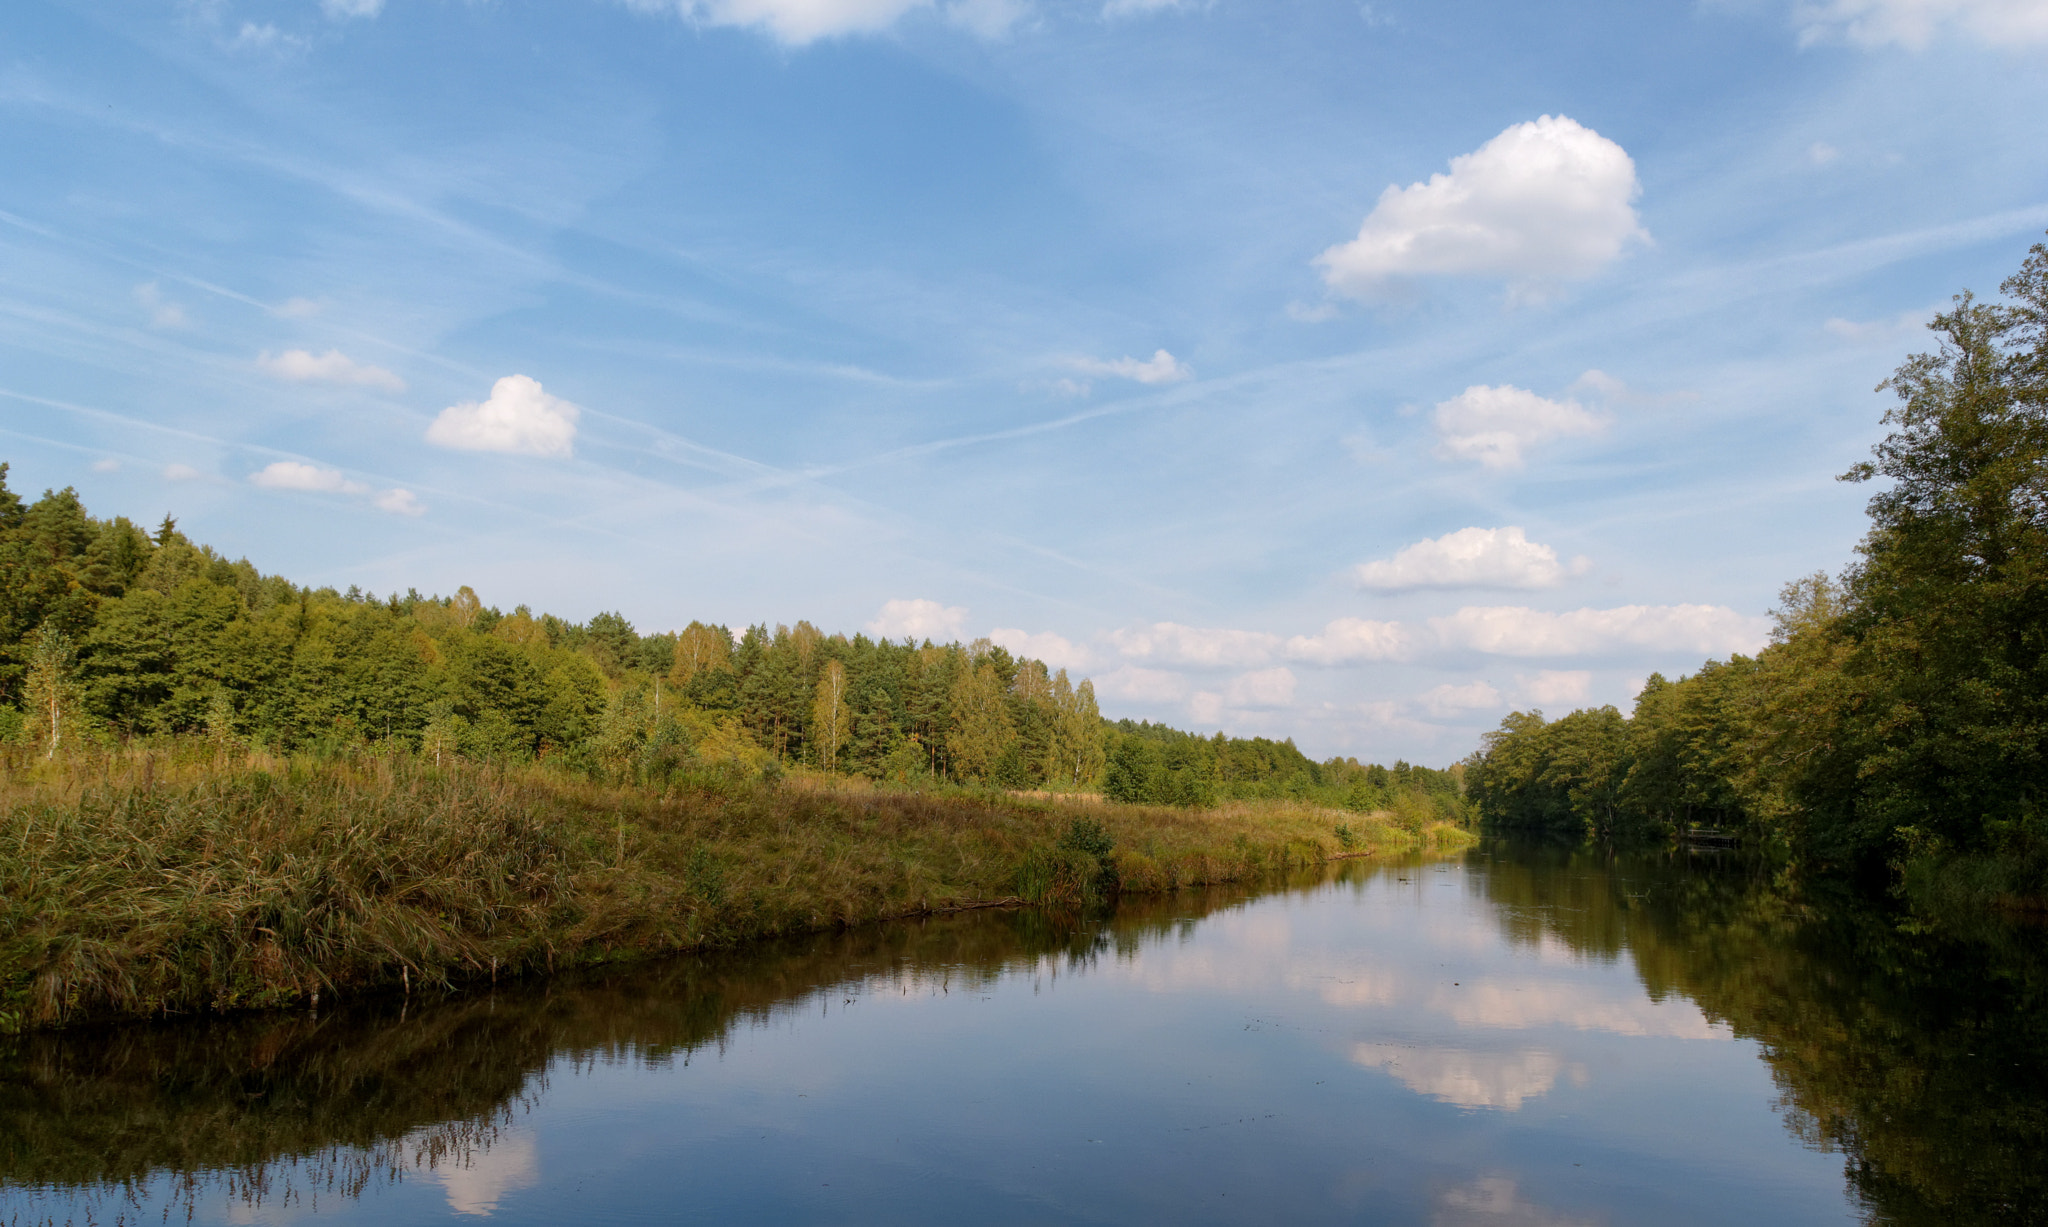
(1512, 1038)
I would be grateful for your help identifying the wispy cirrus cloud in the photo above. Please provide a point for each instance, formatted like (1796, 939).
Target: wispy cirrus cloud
(1913, 24)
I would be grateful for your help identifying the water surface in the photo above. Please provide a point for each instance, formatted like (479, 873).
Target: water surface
(1516, 1037)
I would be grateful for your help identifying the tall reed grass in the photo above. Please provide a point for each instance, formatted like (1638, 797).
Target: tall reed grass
(185, 878)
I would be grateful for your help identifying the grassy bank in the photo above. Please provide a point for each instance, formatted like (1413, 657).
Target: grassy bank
(174, 879)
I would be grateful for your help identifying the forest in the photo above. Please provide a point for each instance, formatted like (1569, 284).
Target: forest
(1896, 724)
(109, 632)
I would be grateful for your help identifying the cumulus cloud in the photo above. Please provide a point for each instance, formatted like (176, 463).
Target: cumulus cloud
(399, 502)
(1057, 651)
(1161, 367)
(1205, 707)
(303, 366)
(1449, 701)
(519, 417)
(1513, 630)
(292, 475)
(181, 472)
(1470, 558)
(1543, 202)
(1263, 688)
(163, 313)
(1915, 23)
(1142, 685)
(1496, 425)
(919, 619)
(1202, 647)
(1557, 687)
(795, 22)
(1352, 640)
(298, 308)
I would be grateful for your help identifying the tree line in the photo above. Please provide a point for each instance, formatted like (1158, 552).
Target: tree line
(109, 631)
(1899, 715)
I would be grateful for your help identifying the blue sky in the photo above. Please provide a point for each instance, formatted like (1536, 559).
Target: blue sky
(1347, 372)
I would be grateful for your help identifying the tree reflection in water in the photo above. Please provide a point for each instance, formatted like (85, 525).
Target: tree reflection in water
(1918, 1052)
(1920, 1055)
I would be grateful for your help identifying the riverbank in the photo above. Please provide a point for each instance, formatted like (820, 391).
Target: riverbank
(149, 882)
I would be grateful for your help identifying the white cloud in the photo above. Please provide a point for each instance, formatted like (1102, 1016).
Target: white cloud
(1513, 630)
(298, 308)
(1495, 425)
(478, 1180)
(1161, 367)
(1202, 647)
(1469, 1079)
(1542, 202)
(1142, 685)
(1205, 707)
(181, 472)
(399, 502)
(343, 10)
(1264, 688)
(1470, 558)
(292, 475)
(519, 417)
(1136, 8)
(1351, 640)
(1556, 687)
(919, 619)
(1448, 701)
(1820, 153)
(302, 366)
(1056, 651)
(1491, 1201)
(1521, 1005)
(1915, 23)
(106, 464)
(796, 22)
(1887, 331)
(987, 19)
(265, 37)
(163, 313)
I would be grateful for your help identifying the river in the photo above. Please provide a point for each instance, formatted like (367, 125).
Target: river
(1518, 1036)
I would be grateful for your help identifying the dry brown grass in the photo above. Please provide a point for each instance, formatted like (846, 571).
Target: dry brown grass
(180, 879)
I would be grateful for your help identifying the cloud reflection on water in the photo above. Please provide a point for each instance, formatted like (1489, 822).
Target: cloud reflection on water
(1470, 1079)
(1491, 1201)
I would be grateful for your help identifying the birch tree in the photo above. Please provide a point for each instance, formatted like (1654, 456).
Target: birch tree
(831, 717)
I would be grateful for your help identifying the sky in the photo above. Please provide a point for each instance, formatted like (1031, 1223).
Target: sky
(1354, 373)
